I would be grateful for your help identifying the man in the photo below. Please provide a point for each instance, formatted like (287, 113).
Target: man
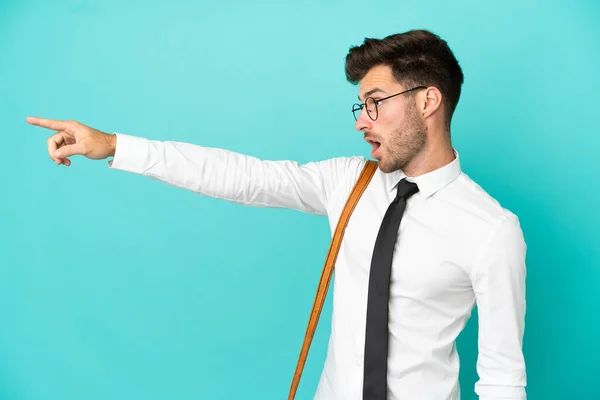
(456, 246)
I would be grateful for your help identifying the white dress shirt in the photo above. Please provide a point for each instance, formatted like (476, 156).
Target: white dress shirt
(456, 247)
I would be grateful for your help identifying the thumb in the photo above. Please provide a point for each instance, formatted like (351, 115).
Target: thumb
(68, 151)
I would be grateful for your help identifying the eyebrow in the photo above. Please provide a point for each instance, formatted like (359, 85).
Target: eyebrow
(370, 92)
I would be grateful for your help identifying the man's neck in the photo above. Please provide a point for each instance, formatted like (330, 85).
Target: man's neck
(433, 156)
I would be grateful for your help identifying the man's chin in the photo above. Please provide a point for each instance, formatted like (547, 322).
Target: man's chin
(384, 166)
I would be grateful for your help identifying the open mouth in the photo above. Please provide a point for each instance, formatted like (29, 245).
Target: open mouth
(376, 145)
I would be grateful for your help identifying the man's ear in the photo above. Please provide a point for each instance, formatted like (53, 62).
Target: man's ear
(430, 101)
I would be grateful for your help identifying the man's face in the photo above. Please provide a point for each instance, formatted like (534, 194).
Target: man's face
(399, 133)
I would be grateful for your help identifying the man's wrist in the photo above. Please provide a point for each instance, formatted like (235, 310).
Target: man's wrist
(112, 143)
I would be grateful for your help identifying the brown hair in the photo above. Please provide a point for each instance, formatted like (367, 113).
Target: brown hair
(417, 57)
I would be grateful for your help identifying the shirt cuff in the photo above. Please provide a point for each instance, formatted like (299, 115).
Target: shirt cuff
(516, 397)
(501, 393)
(131, 154)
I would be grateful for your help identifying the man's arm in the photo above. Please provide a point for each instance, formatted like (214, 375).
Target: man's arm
(207, 171)
(235, 177)
(499, 285)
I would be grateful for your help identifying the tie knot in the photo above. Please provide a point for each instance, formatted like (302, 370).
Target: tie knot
(406, 189)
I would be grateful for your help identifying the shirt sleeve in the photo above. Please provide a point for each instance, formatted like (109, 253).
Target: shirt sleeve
(499, 285)
(235, 177)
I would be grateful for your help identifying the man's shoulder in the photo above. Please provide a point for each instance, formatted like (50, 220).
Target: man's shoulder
(351, 162)
(349, 167)
(480, 203)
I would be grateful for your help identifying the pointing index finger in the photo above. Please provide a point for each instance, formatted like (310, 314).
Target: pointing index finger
(48, 123)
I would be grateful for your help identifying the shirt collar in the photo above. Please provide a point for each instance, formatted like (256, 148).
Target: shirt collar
(430, 182)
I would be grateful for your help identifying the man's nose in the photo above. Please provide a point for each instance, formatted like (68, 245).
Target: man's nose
(363, 122)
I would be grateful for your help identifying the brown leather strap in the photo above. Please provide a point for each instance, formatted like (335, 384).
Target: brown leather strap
(359, 187)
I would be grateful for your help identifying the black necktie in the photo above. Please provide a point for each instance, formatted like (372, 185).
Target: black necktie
(376, 337)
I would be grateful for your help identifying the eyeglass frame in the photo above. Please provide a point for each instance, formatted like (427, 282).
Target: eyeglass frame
(362, 105)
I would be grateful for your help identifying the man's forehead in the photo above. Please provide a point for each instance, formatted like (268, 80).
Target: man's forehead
(379, 79)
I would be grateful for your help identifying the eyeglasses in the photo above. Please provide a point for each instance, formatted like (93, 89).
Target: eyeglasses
(371, 103)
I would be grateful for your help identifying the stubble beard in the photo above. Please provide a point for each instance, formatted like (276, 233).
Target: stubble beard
(405, 143)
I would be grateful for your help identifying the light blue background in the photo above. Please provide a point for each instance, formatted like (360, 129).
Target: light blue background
(114, 286)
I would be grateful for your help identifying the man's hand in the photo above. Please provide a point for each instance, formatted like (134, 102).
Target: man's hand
(73, 138)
